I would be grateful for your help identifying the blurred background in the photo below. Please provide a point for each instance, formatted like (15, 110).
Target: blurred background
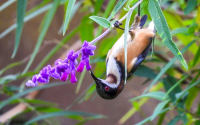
(81, 97)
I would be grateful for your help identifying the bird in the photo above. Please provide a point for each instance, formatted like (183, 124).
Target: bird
(139, 41)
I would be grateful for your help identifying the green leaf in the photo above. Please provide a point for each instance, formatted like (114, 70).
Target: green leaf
(190, 6)
(158, 109)
(68, 14)
(186, 90)
(166, 67)
(98, 5)
(197, 57)
(74, 10)
(198, 113)
(161, 119)
(8, 78)
(168, 83)
(10, 66)
(125, 43)
(175, 85)
(47, 23)
(181, 30)
(193, 92)
(90, 118)
(149, 118)
(80, 81)
(16, 96)
(26, 19)
(144, 71)
(21, 9)
(60, 113)
(174, 120)
(163, 30)
(86, 34)
(117, 7)
(101, 21)
(156, 95)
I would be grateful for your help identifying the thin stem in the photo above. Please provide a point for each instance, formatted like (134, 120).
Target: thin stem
(132, 8)
(108, 30)
(187, 111)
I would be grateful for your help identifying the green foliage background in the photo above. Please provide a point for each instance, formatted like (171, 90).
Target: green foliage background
(175, 86)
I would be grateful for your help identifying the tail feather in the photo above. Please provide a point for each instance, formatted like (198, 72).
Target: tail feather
(143, 21)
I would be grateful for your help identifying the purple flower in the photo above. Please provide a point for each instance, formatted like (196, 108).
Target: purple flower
(71, 57)
(87, 50)
(63, 68)
(32, 82)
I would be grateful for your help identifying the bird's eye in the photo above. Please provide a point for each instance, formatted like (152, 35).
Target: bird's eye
(107, 88)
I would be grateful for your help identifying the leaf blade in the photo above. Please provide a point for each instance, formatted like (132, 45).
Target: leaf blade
(101, 21)
(50, 15)
(163, 30)
(68, 14)
(158, 109)
(21, 9)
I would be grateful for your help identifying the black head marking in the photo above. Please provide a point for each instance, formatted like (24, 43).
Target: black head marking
(104, 90)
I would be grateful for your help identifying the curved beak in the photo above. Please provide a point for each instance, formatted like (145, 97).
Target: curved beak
(97, 81)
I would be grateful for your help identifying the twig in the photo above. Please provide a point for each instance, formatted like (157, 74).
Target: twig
(178, 69)
(189, 112)
(22, 106)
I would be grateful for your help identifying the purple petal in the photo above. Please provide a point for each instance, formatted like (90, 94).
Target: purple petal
(58, 61)
(81, 66)
(64, 76)
(63, 66)
(34, 78)
(42, 80)
(91, 53)
(73, 77)
(55, 74)
(70, 53)
(88, 67)
(91, 47)
(85, 44)
(44, 72)
(31, 83)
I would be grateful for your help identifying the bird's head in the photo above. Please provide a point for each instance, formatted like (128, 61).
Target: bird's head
(105, 89)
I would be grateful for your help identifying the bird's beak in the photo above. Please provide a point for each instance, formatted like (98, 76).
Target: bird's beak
(97, 81)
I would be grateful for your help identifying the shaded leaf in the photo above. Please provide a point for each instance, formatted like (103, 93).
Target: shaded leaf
(167, 66)
(4, 103)
(68, 14)
(156, 95)
(190, 6)
(144, 71)
(181, 30)
(168, 83)
(197, 56)
(101, 21)
(56, 114)
(198, 113)
(117, 7)
(8, 78)
(158, 109)
(98, 5)
(149, 118)
(90, 118)
(174, 120)
(21, 9)
(163, 30)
